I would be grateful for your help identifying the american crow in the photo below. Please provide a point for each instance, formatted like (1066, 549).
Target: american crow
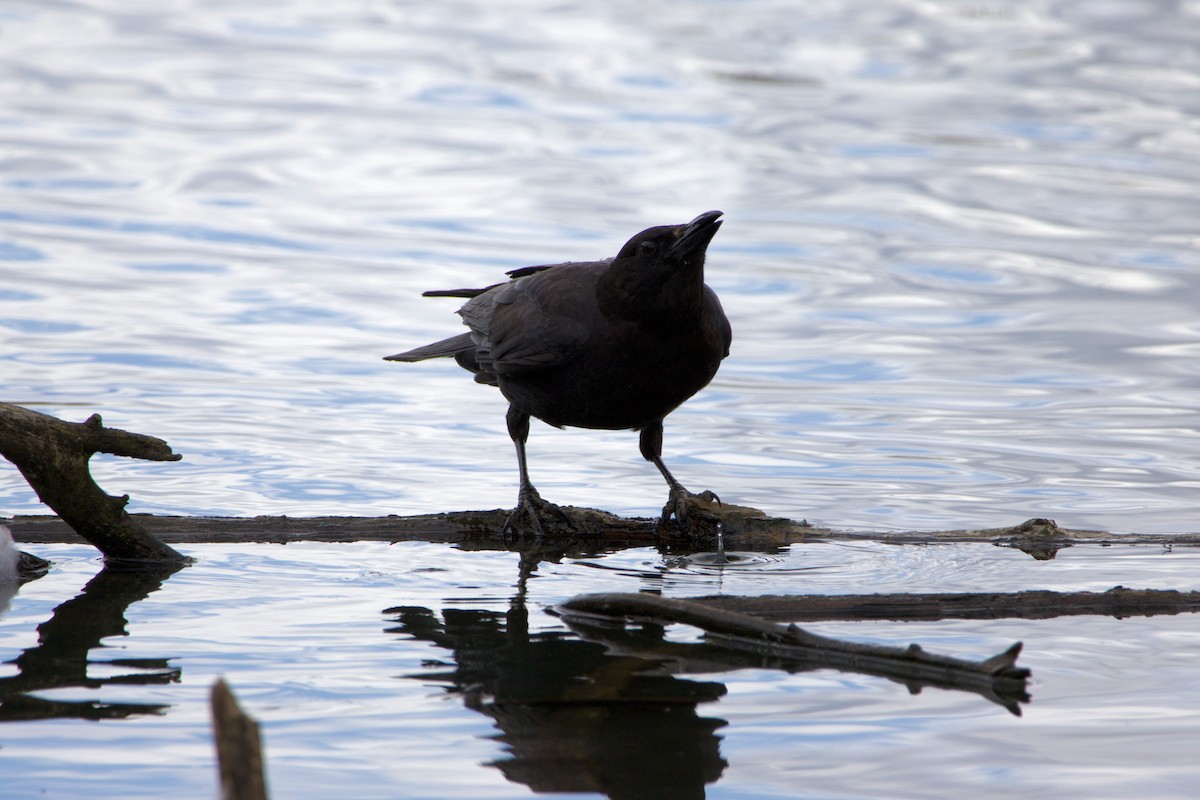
(614, 344)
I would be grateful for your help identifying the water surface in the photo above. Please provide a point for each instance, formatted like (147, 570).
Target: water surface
(423, 671)
(960, 256)
(960, 259)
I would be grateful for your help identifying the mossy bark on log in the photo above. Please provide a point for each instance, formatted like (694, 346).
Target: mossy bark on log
(53, 457)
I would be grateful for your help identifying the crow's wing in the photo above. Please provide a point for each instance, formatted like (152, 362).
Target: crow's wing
(537, 321)
(459, 292)
(524, 271)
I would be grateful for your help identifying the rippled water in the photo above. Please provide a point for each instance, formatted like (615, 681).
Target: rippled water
(422, 671)
(960, 259)
(960, 256)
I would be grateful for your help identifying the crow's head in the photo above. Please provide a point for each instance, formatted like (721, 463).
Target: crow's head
(673, 245)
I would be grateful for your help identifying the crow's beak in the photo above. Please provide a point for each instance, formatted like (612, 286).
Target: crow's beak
(696, 235)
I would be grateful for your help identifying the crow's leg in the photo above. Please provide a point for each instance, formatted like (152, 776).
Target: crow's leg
(677, 499)
(529, 502)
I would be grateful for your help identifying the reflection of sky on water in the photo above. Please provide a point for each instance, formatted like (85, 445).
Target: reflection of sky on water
(352, 703)
(959, 256)
(960, 260)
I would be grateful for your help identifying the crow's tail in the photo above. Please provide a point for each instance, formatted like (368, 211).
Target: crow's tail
(446, 347)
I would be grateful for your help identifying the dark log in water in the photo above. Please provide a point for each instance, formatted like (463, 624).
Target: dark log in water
(595, 531)
(751, 528)
(1119, 602)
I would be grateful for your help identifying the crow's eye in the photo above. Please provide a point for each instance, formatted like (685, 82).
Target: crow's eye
(648, 247)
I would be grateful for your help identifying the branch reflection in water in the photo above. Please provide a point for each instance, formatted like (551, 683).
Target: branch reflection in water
(601, 708)
(62, 657)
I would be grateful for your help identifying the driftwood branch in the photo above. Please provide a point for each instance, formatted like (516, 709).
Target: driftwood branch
(239, 747)
(1118, 601)
(53, 456)
(998, 678)
(604, 532)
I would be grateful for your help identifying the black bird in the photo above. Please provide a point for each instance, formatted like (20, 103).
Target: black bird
(615, 344)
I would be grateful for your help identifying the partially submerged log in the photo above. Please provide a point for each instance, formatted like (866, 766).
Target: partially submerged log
(1119, 602)
(997, 678)
(591, 528)
(598, 530)
(53, 456)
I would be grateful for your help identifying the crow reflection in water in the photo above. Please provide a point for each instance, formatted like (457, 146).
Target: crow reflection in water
(574, 717)
(616, 344)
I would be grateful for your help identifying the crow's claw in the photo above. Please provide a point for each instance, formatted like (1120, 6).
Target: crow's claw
(531, 505)
(679, 500)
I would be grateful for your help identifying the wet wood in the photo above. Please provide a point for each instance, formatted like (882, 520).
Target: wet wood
(1118, 602)
(595, 529)
(53, 457)
(997, 677)
(239, 747)
(751, 527)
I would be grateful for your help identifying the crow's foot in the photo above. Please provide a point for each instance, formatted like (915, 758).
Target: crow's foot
(680, 499)
(540, 513)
